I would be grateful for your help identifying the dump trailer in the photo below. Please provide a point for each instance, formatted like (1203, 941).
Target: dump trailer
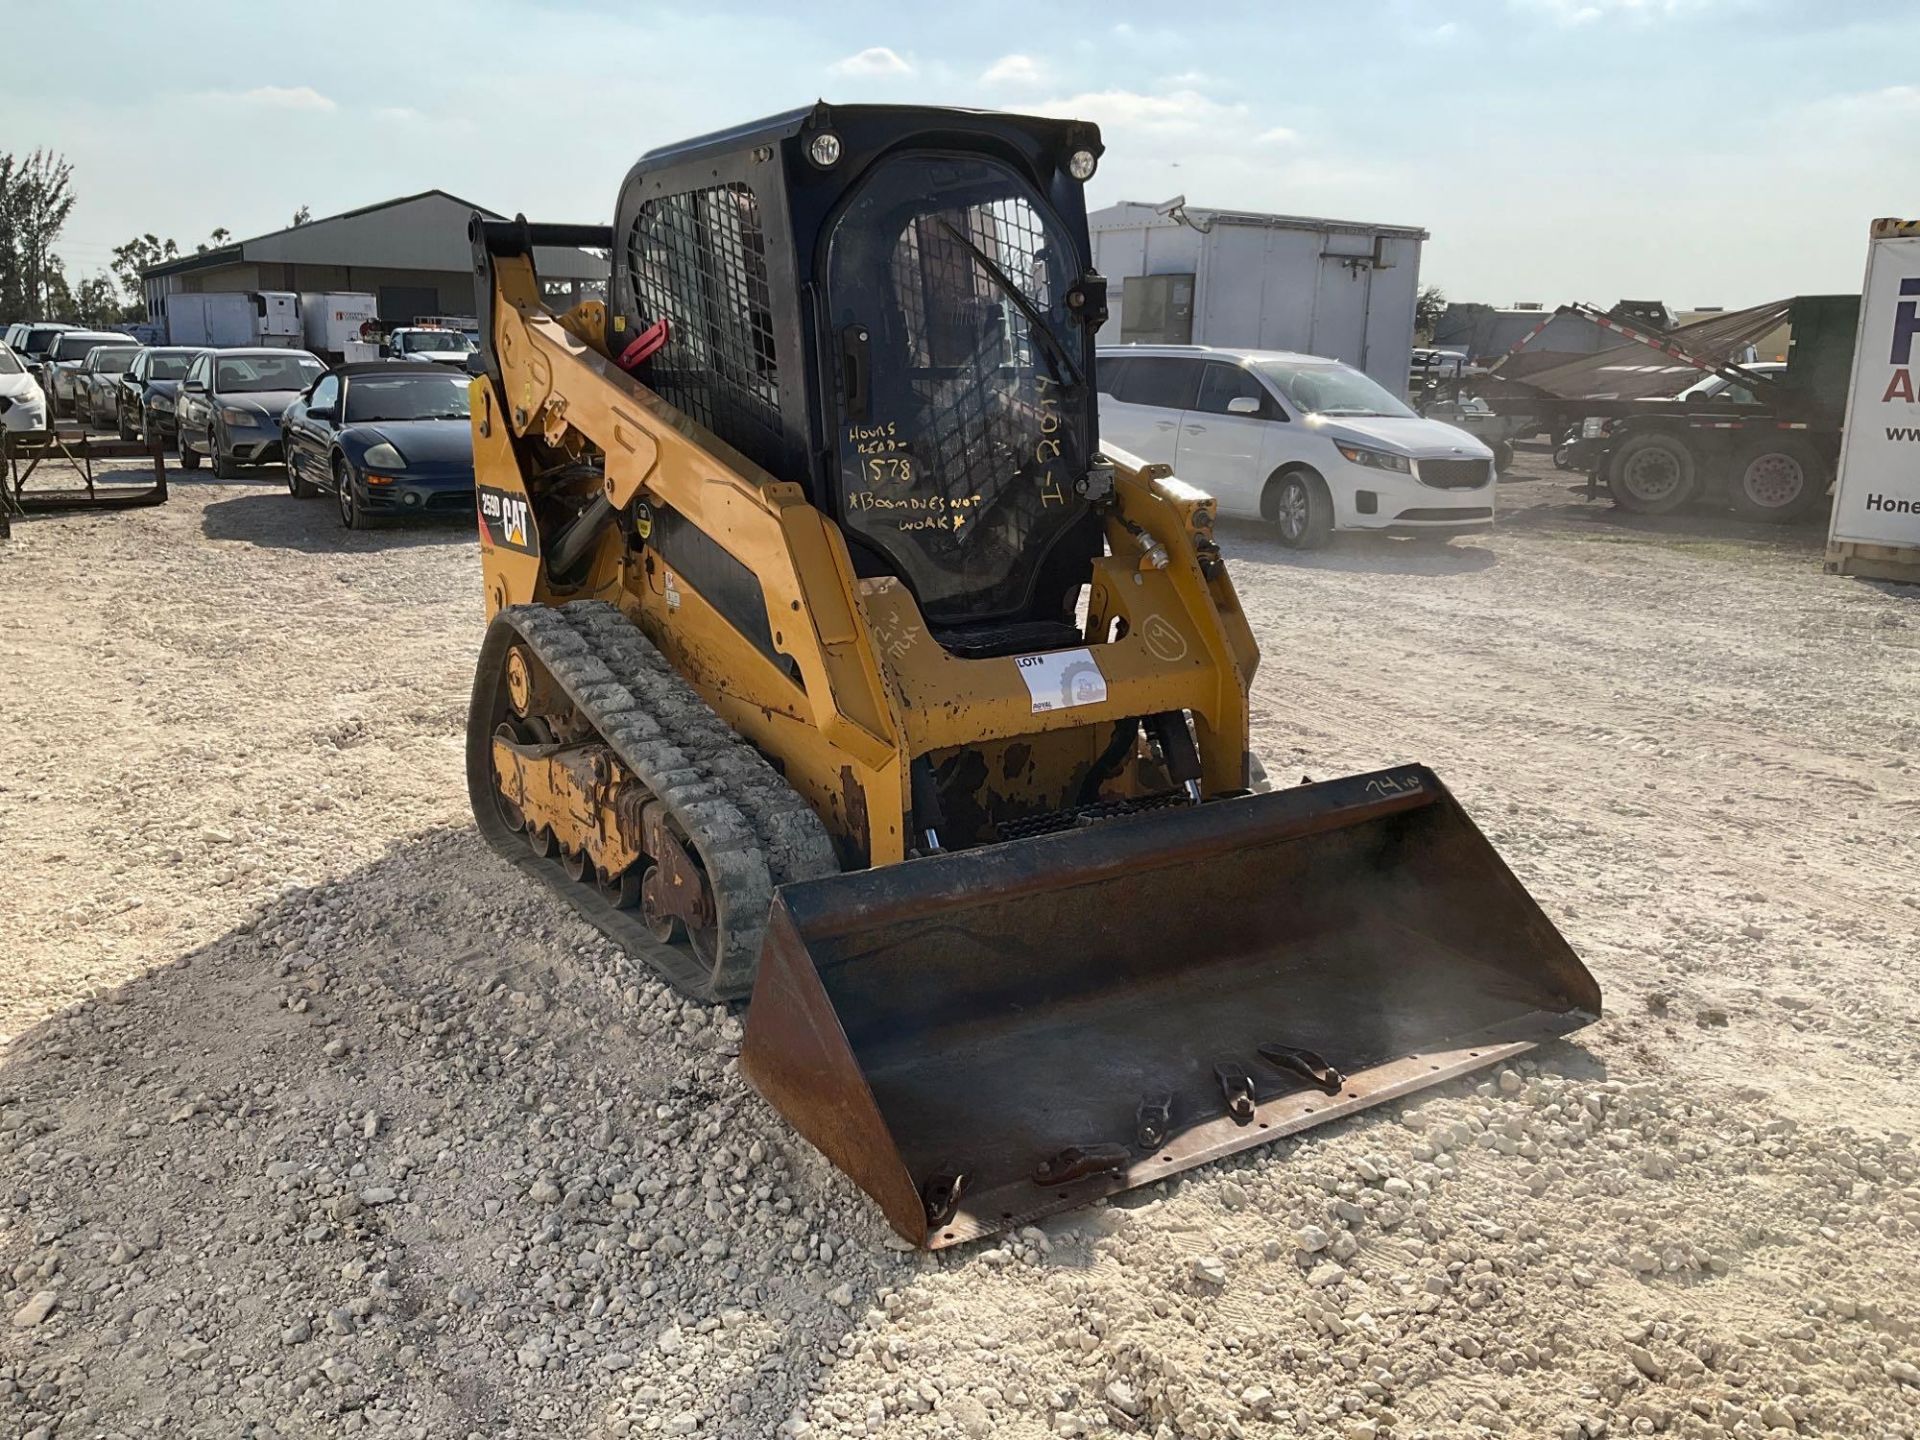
(1765, 445)
(833, 665)
(1653, 437)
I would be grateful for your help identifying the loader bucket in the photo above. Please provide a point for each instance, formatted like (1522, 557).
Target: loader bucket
(984, 1037)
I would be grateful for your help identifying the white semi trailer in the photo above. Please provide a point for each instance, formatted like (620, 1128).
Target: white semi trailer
(1338, 288)
(233, 317)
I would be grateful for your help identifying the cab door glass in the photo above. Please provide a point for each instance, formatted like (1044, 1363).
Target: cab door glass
(965, 417)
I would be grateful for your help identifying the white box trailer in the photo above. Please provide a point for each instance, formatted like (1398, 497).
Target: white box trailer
(221, 318)
(1338, 288)
(233, 317)
(336, 319)
(1875, 529)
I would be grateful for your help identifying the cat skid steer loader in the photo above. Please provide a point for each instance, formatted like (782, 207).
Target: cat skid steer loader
(832, 662)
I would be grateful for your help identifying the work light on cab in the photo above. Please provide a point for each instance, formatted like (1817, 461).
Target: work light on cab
(824, 149)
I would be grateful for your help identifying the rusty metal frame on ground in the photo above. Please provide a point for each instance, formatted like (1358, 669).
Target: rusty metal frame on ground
(24, 452)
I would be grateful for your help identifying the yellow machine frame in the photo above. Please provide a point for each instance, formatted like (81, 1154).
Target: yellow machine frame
(875, 690)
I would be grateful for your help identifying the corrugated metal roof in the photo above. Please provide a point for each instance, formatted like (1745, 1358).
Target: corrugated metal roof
(240, 251)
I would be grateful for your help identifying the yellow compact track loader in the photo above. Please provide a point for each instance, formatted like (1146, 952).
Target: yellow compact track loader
(833, 662)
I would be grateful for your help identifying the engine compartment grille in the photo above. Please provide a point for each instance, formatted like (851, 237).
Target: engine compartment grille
(1077, 817)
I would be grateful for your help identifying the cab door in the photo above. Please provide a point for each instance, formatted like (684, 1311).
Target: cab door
(1223, 443)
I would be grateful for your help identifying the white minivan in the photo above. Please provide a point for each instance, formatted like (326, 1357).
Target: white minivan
(22, 405)
(1310, 444)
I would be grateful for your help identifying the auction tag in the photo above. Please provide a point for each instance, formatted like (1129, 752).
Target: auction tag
(1062, 679)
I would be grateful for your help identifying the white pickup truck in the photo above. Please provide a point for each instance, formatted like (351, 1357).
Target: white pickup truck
(419, 342)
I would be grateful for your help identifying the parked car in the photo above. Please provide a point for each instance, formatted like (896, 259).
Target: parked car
(230, 405)
(445, 347)
(148, 392)
(1429, 364)
(1724, 390)
(96, 383)
(60, 367)
(386, 438)
(22, 404)
(1310, 444)
(29, 339)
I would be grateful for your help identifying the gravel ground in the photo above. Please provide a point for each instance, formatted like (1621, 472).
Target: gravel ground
(316, 1119)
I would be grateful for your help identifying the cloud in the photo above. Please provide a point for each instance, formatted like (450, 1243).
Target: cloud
(398, 113)
(276, 97)
(1177, 112)
(875, 60)
(1876, 104)
(1278, 135)
(1438, 35)
(1013, 70)
(1160, 40)
(1588, 12)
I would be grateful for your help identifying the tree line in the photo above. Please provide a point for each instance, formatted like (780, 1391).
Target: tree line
(36, 199)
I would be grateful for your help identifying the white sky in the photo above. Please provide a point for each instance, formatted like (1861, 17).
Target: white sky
(1696, 151)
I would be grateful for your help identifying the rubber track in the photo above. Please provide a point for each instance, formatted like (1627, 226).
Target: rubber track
(745, 824)
(796, 843)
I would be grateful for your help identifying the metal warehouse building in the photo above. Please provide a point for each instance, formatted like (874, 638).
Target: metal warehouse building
(411, 254)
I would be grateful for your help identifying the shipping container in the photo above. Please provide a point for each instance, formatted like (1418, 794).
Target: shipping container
(1341, 289)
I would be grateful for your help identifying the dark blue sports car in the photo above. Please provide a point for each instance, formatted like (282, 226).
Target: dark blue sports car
(386, 438)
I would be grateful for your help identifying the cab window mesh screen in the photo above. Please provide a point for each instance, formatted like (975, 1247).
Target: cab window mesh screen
(968, 345)
(698, 260)
(960, 467)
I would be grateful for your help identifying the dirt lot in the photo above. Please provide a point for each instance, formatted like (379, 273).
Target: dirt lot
(317, 1119)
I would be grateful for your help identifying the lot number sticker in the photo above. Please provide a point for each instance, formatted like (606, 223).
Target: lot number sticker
(1062, 680)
